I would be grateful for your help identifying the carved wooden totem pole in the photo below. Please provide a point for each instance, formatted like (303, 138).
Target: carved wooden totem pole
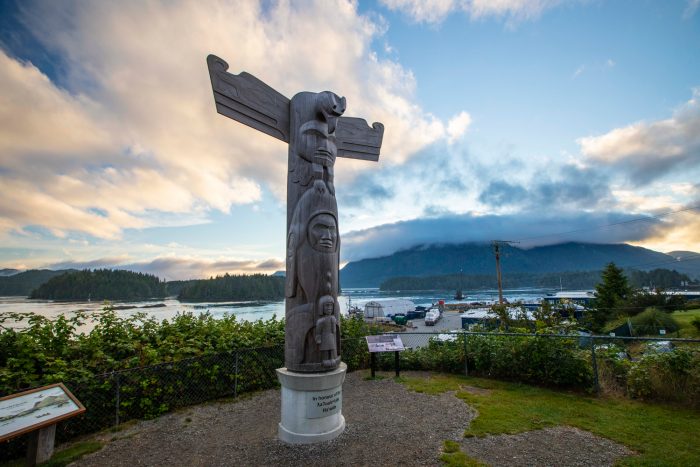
(313, 126)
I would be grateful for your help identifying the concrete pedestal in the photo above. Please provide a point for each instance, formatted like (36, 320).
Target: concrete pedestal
(311, 405)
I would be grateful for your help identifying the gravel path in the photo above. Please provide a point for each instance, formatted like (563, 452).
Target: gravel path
(385, 425)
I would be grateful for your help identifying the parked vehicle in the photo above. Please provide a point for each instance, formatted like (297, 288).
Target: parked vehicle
(432, 316)
(418, 313)
(399, 318)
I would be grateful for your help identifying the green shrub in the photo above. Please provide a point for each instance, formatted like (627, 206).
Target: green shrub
(539, 360)
(613, 368)
(651, 320)
(671, 376)
(696, 323)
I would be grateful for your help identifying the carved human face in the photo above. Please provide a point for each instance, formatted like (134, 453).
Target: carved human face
(323, 233)
(328, 308)
(315, 144)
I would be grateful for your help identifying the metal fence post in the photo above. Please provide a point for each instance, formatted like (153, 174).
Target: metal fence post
(116, 407)
(235, 375)
(594, 362)
(466, 356)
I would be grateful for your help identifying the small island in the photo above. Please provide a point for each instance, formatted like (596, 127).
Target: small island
(234, 287)
(101, 284)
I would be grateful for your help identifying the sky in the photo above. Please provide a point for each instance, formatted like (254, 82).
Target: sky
(539, 121)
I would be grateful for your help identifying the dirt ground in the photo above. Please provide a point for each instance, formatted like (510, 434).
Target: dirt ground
(386, 424)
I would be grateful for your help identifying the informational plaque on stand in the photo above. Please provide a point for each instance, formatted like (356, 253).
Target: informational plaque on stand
(36, 412)
(384, 343)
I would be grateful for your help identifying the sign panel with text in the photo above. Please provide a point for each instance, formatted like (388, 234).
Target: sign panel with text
(37, 408)
(384, 343)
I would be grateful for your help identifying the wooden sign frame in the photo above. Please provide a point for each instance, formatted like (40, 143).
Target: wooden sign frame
(44, 422)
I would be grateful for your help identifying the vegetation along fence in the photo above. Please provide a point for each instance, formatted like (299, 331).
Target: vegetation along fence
(148, 392)
(666, 369)
(639, 367)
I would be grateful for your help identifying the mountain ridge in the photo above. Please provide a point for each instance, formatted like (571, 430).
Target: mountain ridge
(478, 258)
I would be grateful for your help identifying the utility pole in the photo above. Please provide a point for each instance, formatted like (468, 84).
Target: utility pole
(497, 252)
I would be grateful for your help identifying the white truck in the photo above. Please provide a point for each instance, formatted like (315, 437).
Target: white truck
(432, 316)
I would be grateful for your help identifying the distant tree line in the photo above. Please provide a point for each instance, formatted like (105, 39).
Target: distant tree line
(234, 287)
(175, 287)
(659, 278)
(101, 284)
(23, 283)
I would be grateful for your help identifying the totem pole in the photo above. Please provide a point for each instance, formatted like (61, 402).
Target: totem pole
(316, 131)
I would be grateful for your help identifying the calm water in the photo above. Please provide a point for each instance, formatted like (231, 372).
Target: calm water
(252, 311)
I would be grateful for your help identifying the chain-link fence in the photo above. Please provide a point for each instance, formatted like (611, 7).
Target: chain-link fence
(583, 362)
(635, 366)
(147, 392)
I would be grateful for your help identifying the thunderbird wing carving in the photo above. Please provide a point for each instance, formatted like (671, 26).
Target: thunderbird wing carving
(248, 100)
(357, 140)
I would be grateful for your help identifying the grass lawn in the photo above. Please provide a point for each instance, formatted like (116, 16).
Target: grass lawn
(661, 434)
(684, 319)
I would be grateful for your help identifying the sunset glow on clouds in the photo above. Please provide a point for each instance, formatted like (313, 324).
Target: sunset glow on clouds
(112, 153)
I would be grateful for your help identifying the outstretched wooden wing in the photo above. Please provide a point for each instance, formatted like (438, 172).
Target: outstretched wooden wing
(357, 140)
(248, 100)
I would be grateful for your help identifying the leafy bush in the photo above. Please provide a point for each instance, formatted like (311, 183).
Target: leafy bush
(671, 376)
(696, 323)
(48, 351)
(651, 320)
(545, 361)
(613, 368)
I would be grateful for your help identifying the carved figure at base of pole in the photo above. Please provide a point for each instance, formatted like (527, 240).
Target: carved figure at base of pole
(325, 331)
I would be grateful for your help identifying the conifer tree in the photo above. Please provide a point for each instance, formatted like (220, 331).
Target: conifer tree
(611, 293)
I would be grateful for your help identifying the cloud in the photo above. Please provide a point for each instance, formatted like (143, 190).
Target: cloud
(645, 151)
(532, 228)
(178, 268)
(435, 11)
(500, 192)
(691, 8)
(579, 71)
(435, 178)
(573, 188)
(131, 136)
(457, 126)
(44, 123)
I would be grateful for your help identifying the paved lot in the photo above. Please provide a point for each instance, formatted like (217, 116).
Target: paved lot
(450, 320)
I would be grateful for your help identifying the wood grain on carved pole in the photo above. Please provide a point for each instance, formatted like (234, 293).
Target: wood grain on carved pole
(317, 133)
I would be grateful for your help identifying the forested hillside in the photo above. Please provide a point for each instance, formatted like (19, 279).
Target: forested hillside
(478, 259)
(234, 287)
(101, 284)
(22, 283)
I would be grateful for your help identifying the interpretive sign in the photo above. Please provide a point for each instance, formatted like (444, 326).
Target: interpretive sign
(31, 410)
(384, 343)
(323, 403)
